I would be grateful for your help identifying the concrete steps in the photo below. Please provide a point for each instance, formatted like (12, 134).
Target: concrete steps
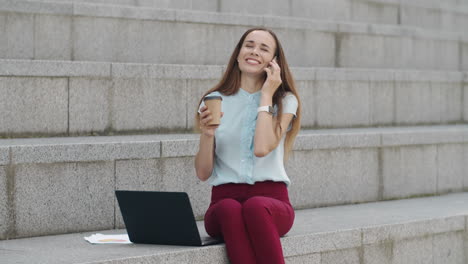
(63, 185)
(425, 230)
(125, 67)
(441, 15)
(64, 98)
(90, 32)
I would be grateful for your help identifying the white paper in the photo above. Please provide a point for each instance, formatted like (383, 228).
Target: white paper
(108, 239)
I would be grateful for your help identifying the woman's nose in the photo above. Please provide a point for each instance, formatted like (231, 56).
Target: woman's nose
(254, 52)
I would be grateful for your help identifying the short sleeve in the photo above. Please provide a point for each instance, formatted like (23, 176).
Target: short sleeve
(290, 104)
(216, 93)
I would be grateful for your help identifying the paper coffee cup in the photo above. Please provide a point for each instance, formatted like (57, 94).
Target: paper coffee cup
(214, 105)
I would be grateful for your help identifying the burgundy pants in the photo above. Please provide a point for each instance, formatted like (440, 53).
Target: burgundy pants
(251, 219)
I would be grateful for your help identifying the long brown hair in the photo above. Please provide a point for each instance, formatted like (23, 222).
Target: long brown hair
(231, 81)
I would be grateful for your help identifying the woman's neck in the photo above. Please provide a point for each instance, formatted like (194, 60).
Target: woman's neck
(251, 84)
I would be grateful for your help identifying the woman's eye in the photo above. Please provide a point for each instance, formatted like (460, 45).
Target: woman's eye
(264, 49)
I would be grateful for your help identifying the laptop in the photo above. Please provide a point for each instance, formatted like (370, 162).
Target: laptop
(160, 218)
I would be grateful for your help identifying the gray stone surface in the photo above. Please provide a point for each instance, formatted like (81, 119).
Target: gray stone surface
(451, 167)
(167, 71)
(53, 37)
(451, 104)
(378, 253)
(465, 236)
(408, 229)
(373, 12)
(409, 171)
(420, 97)
(336, 9)
(89, 105)
(417, 251)
(315, 231)
(337, 138)
(419, 103)
(321, 49)
(86, 151)
(4, 210)
(319, 242)
(142, 104)
(465, 178)
(425, 51)
(415, 135)
(465, 99)
(324, 177)
(33, 105)
(60, 198)
(382, 103)
(348, 256)
(304, 259)
(342, 103)
(427, 103)
(448, 248)
(244, 6)
(102, 34)
(4, 155)
(307, 93)
(37, 7)
(180, 148)
(54, 68)
(431, 14)
(179, 175)
(17, 32)
(50, 150)
(464, 56)
(369, 55)
(140, 175)
(128, 34)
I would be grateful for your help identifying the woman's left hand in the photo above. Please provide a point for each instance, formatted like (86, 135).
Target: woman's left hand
(273, 80)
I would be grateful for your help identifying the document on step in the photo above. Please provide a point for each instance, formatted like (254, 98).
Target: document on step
(108, 239)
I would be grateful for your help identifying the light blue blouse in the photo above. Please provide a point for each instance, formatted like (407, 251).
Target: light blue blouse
(235, 161)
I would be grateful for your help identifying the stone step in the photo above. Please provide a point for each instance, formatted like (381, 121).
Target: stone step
(441, 15)
(63, 98)
(62, 185)
(90, 32)
(423, 230)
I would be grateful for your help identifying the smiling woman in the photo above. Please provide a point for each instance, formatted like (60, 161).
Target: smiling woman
(243, 157)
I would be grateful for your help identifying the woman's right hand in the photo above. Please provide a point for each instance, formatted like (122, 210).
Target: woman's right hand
(205, 118)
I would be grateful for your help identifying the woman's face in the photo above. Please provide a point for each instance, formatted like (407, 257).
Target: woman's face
(256, 52)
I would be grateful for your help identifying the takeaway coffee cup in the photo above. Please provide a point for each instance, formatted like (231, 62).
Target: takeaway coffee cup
(214, 105)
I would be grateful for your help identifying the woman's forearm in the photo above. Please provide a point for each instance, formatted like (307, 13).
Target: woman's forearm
(266, 136)
(205, 157)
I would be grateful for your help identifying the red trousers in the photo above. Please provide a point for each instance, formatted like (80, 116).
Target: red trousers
(251, 219)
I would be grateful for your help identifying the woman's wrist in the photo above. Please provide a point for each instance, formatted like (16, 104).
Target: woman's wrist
(266, 94)
(206, 136)
(266, 99)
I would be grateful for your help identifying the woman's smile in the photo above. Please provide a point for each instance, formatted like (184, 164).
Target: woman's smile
(252, 61)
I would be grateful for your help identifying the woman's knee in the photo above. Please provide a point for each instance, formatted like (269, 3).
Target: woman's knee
(227, 208)
(255, 206)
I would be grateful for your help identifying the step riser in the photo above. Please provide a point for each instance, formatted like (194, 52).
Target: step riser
(442, 248)
(114, 39)
(450, 17)
(46, 197)
(427, 230)
(139, 102)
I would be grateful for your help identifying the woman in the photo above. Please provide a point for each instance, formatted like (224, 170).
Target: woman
(243, 157)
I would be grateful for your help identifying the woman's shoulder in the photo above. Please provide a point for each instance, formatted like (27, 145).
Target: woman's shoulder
(289, 97)
(215, 93)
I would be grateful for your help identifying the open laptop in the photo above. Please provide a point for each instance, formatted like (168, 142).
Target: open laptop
(160, 218)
